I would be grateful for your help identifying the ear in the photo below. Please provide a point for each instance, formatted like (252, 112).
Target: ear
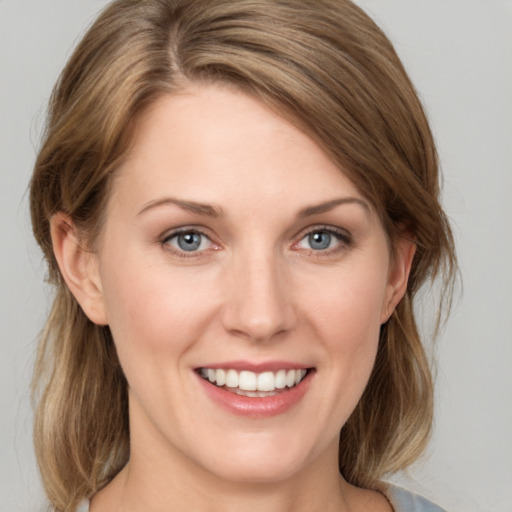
(79, 268)
(399, 271)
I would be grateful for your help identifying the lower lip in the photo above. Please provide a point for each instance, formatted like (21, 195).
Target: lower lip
(257, 407)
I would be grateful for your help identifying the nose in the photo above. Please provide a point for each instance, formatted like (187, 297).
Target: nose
(259, 305)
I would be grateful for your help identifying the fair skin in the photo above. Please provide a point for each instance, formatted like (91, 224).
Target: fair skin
(232, 241)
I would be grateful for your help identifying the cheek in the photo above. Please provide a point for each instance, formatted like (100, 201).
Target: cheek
(152, 310)
(348, 308)
(346, 317)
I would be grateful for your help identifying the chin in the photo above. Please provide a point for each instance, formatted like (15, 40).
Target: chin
(258, 471)
(260, 461)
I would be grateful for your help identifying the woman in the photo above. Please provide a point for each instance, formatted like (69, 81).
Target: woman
(238, 201)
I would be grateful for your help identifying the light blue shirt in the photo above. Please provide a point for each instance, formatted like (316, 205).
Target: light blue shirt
(401, 500)
(406, 501)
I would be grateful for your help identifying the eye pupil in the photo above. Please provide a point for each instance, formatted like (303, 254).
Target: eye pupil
(319, 240)
(189, 241)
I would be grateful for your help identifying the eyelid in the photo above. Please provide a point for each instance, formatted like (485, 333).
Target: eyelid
(168, 235)
(345, 238)
(343, 233)
(181, 230)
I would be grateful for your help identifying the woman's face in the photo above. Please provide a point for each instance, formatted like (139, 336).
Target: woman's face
(235, 250)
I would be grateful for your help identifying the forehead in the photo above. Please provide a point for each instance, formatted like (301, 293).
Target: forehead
(212, 143)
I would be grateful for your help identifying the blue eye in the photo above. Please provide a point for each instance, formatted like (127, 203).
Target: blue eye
(320, 240)
(323, 240)
(188, 241)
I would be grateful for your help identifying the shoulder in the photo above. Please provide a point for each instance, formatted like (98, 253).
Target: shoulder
(403, 500)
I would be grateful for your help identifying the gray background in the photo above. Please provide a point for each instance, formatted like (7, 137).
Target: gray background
(459, 54)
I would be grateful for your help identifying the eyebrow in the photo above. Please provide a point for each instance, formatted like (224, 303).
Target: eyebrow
(191, 206)
(215, 212)
(330, 205)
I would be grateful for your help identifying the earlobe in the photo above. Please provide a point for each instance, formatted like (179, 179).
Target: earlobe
(399, 276)
(79, 268)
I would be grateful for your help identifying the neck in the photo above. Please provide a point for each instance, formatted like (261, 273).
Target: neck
(200, 495)
(161, 478)
(176, 485)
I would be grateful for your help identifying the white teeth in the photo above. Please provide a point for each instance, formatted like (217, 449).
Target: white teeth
(299, 375)
(232, 379)
(254, 384)
(290, 378)
(247, 381)
(221, 377)
(281, 379)
(266, 381)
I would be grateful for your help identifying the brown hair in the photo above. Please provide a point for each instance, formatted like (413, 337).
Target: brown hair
(322, 64)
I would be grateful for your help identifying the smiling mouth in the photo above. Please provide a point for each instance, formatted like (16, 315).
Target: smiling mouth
(251, 384)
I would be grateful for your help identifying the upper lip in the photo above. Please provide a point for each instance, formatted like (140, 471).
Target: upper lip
(256, 367)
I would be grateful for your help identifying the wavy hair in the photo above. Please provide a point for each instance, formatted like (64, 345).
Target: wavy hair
(324, 65)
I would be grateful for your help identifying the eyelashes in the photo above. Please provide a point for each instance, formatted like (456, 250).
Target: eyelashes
(324, 240)
(188, 243)
(319, 241)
